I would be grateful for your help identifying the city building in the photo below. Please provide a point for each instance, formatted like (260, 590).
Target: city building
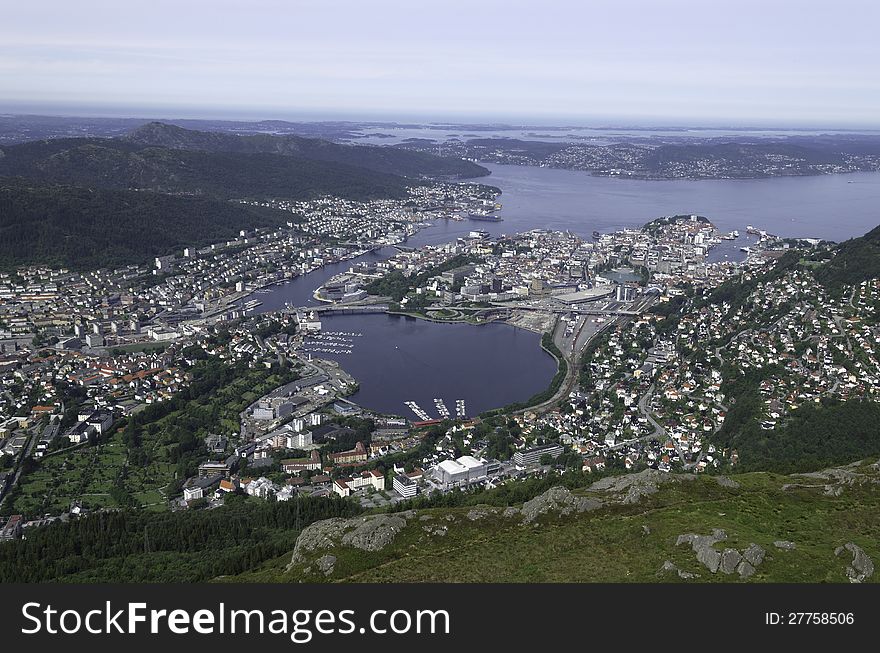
(405, 486)
(462, 471)
(297, 465)
(192, 493)
(625, 293)
(345, 486)
(210, 469)
(532, 456)
(356, 455)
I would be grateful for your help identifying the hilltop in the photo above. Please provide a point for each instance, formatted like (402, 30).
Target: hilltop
(117, 164)
(386, 160)
(646, 527)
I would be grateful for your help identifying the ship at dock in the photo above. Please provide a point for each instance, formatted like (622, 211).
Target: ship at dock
(484, 217)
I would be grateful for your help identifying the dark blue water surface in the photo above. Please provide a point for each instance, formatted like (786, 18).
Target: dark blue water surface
(398, 359)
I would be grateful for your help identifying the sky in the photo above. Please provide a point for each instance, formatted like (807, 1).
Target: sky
(589, 62)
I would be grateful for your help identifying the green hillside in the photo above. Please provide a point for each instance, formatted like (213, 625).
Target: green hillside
(854, 261)
(622, 541)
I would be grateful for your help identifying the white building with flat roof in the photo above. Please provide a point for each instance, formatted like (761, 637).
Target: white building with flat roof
(462, 471)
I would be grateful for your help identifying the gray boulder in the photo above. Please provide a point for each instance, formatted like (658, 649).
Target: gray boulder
(730, 560)
(745, 569)
(326, 564)
(669, 567)
(785, 545)
(436, 530)
(709, 557)
(861, 567)
(557, 499)
(754, 555)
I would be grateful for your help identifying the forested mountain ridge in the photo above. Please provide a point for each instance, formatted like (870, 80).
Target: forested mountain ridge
(81, 228)
(122, 165)
(386, 160)
(96, 202)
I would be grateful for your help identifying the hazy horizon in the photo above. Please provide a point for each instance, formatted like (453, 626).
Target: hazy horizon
(330, 116)
(624, 63)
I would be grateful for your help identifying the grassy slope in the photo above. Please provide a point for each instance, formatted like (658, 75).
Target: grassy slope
(610, 545)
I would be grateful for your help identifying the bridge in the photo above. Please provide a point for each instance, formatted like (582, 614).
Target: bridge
(343, 309)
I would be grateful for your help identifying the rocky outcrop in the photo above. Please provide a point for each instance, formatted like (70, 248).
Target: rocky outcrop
(374, 533)
(703, 546)
(729, 561)
(723, 481)
(834, 480)
(559, 500)
(861, 567)
(370, 533)
(631, 488)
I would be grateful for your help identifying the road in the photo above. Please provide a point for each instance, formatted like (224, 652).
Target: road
(28, 449)
(572, 358)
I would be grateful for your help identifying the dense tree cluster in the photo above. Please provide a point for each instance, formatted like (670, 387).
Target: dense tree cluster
(813, 437)
(82, 228)
(141, 546)
(855, 261)
(115, 164)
